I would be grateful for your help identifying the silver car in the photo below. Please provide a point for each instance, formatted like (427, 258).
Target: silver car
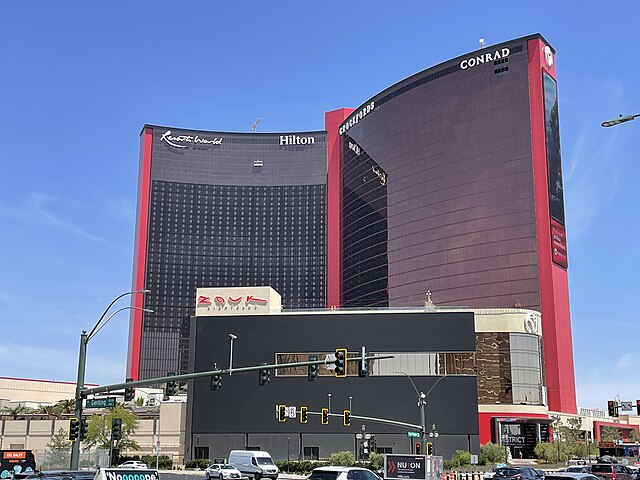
(221, 472)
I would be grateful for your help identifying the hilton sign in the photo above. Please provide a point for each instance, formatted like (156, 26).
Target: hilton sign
(236, 301)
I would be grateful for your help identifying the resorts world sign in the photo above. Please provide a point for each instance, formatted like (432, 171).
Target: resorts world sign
(484, 58)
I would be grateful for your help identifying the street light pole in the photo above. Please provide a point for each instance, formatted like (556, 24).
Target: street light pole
(82, 364)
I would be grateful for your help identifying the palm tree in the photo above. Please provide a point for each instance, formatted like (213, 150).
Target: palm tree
(47, 410)
(16, 410)
(65, 406)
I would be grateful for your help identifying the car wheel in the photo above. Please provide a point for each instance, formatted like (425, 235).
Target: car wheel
(257, 476)
(221, 477)
(206, 475)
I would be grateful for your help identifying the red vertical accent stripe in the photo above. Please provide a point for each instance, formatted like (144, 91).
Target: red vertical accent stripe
(332, 121)
(140, 252)
(554, 285)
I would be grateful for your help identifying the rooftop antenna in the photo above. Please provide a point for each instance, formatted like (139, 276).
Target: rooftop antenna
(481, 40)
(255, 125)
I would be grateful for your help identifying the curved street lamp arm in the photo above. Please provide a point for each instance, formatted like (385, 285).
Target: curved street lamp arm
(93, 330)
(411, 380)
(434, 385)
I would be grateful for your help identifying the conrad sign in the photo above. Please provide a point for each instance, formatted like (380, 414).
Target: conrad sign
(484, 58)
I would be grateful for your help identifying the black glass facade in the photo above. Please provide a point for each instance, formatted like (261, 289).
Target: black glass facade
(248, 211)
(456, 213)
(364, 233)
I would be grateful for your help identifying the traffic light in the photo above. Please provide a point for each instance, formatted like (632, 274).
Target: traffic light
(74, 429)
(282, 413)
(216, 382)
(129, 392)
(638, 407)
(264, 376)
(84, 427)
(341, 362)
(116, 429)
(304, 416)
(312, 372)
(612, 408)
(325, 416)
(172, 387)
(346, 421)
(429, 448)
(417, 448)
(363, 365)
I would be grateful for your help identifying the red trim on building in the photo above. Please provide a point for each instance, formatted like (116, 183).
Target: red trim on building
(554, 286)
(626, 428)
(484, 422)
(332, 121)
(140, 252)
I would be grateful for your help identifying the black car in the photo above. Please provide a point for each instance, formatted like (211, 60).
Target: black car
(518, 473)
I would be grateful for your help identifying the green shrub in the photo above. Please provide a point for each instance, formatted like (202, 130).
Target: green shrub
(376, 461)
(302, 467)
(461, 458)
(197, 464)
(491, 453)
(343, 459)
(164, 462)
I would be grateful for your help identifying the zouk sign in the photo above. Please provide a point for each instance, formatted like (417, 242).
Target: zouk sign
(236, 301)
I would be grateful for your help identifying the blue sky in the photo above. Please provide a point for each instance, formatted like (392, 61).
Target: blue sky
(80, 79)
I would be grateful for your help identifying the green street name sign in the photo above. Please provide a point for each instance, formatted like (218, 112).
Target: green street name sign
(101, 402)
(413, 434)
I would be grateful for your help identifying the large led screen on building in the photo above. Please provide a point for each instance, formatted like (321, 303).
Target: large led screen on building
(554, 171)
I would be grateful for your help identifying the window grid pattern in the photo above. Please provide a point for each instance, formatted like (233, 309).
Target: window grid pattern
(226, 235)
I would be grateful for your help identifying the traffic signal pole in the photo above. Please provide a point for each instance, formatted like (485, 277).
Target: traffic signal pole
(423, 427)
(82, 360)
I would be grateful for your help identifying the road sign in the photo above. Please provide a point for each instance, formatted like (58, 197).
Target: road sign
(359, 436)
(291, 411)
(329, 361)
(626, 406)
(401, 467)
(413, 434)
(106, 402)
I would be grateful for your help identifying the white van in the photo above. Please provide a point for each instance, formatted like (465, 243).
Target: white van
(254, 464)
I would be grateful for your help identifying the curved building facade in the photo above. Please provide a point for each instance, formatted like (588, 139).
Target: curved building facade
(450, 181)
(222, 209)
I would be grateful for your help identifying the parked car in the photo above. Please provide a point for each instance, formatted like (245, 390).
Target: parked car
(489, 474)
(135, 464)
(342, 473)
(518, 473)
(221, 471)
(611, 471)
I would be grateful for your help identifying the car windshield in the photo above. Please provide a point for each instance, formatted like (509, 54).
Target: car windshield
(323, 475)
(228, 467)
(507, 472)
(265, 461)
(601, 468)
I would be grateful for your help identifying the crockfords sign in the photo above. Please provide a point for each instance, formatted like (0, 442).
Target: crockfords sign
(484, 58)
(356, 117)
(296, 140)
(184, 141)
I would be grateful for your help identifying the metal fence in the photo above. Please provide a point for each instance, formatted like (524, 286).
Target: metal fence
(60, 459)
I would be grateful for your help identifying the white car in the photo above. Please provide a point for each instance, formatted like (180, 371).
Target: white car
(221, 472)
(342, 473)
(135, 464)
